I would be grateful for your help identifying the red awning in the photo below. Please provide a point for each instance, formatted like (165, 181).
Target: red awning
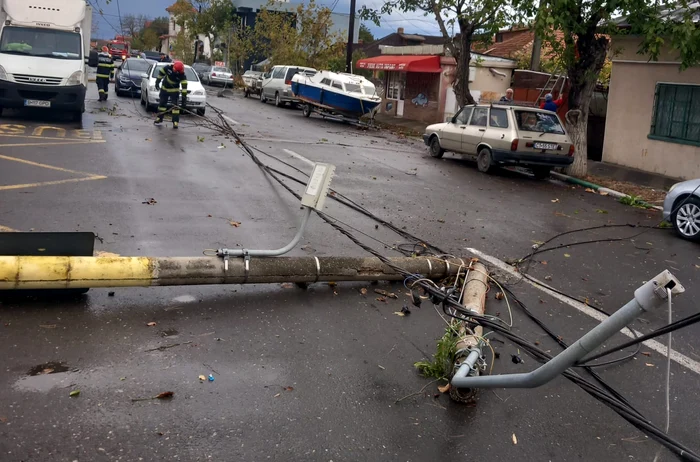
(402, 63)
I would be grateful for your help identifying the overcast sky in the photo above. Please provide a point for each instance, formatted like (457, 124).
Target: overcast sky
(411, 22)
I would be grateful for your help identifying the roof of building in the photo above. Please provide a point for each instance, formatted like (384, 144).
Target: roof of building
(675, 14)
(508, 48)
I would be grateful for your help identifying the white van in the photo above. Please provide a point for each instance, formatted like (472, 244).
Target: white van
(277, 85)
(44, 49)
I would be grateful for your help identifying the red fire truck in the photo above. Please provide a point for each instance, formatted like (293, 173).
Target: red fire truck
(119, 47)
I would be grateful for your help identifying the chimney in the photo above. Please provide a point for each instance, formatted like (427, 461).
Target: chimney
(400, 30)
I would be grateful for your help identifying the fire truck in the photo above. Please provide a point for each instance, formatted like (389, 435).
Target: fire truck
(119, 47)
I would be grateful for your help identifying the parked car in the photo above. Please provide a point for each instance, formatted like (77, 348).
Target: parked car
(127, 77)
(682, 209)
(278, 86)
(154, 55)
(218, 75)
(252, 80)
(503, 135)
(201, 69)
(150, 97)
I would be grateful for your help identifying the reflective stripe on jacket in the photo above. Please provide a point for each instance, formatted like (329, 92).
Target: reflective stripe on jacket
(105, 65)
(172, 81)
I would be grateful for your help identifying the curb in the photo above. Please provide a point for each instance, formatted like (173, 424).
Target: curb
(597, 188)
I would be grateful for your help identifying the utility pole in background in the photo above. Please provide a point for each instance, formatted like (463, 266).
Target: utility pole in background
(351, 37)
(536, 52)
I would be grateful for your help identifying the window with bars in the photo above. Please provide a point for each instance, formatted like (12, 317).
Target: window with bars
(676, 113)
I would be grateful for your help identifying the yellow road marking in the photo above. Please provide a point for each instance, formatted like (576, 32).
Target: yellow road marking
(50, 167)
(61, 143)
(3, 135)
(51, 183)
(7, 229)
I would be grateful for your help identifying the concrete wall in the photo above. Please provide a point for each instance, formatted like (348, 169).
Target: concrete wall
(422, 97)
(630, 108)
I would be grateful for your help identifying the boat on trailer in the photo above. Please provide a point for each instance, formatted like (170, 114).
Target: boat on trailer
(336, 94)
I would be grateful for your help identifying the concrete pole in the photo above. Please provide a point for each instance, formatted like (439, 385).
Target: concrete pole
(474, 299)
(28, 272)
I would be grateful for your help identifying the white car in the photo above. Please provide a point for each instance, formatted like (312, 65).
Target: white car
(150, 97)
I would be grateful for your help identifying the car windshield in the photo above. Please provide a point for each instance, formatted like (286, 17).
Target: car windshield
(189, 73)
(136, 65)
(45, 43)
(117, 46)
(221, 69)
(541, 122)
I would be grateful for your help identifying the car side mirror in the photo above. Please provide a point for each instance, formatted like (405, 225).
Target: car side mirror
(92, 59)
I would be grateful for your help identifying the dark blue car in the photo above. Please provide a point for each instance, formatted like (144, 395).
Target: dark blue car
(127, 79)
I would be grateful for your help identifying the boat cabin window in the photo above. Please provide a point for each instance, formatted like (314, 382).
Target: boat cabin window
(337, 85)
(326, 81)
(353, 88)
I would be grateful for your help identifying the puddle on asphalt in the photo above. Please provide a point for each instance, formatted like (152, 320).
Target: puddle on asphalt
(45, 377)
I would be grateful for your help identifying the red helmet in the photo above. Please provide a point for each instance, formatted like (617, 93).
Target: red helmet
(179, 67)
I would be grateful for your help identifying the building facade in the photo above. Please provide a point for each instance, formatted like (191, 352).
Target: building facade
(653, 121)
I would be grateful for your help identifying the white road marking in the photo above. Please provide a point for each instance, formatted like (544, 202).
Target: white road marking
(300, 157)
(229, 119)
(660, 348)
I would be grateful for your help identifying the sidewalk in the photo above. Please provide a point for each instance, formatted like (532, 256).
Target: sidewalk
(410, 127)
(630, 175)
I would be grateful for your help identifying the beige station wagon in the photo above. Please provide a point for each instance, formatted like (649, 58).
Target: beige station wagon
(500, 135)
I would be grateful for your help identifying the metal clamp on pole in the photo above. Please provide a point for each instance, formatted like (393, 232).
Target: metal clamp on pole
(314, 198)
(651, 295)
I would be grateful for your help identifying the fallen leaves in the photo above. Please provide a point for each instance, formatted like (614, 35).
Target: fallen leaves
(150, 201)
(363, 291)
(288, 388)
(47, 326)
(590, 190)
(151, 324)
(602, 211)
(603, 193)
(202, 377)
(235, 224)
(287, 285)
(381, 299)
(164, 396)
(566, 255)
(499, 295)
(399, 313)
(74, 393)
(649, 364)
(515, 439)
(385, 293)
(554, 201)
(444, 388)
(646, 353)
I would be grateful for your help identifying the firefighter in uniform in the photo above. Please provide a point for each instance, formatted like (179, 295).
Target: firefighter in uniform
(174, 82)
(105, 72)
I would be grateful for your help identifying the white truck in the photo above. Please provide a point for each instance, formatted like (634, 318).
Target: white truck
(44, 54)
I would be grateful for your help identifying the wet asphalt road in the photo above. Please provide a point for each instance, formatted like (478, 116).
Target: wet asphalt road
(303, 375)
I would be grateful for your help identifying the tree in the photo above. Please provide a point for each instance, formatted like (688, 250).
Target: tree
(214, 19)
(477, 20)
(586, 26)
(183, 47)
(300, 37)
(365, 34)
(149, 39)
(133, 25)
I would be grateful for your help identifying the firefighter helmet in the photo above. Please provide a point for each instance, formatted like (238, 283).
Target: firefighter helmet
(179, 67)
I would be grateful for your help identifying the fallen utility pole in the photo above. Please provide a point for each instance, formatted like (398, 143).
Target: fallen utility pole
(31, 272)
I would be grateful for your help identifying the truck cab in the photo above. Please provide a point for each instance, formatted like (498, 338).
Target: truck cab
(44, 53)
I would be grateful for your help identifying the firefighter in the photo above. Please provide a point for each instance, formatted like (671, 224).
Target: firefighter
(105, 72)
(174, 82)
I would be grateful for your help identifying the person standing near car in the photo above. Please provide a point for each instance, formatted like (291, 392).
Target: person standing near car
(174, 82)
(105, 72)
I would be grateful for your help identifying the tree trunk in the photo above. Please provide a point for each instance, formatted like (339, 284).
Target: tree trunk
(463, 57)
(583, 75)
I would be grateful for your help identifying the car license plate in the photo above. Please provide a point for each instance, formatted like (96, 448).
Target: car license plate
(546, 146)
(36, 103)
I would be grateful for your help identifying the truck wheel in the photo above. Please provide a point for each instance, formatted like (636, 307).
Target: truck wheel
(435, 148)
(306, 110)
(484, 161)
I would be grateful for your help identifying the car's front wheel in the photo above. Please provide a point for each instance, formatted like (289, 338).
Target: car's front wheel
(435, 148)
(686, 220)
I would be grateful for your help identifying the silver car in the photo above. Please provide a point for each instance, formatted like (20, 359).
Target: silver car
(278, 85)
(682, 209)
(218, 75)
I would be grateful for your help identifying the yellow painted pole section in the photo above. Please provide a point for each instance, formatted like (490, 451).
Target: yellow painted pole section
(25, 272)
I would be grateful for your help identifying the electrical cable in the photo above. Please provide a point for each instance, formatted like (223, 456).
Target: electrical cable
(618, 405)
